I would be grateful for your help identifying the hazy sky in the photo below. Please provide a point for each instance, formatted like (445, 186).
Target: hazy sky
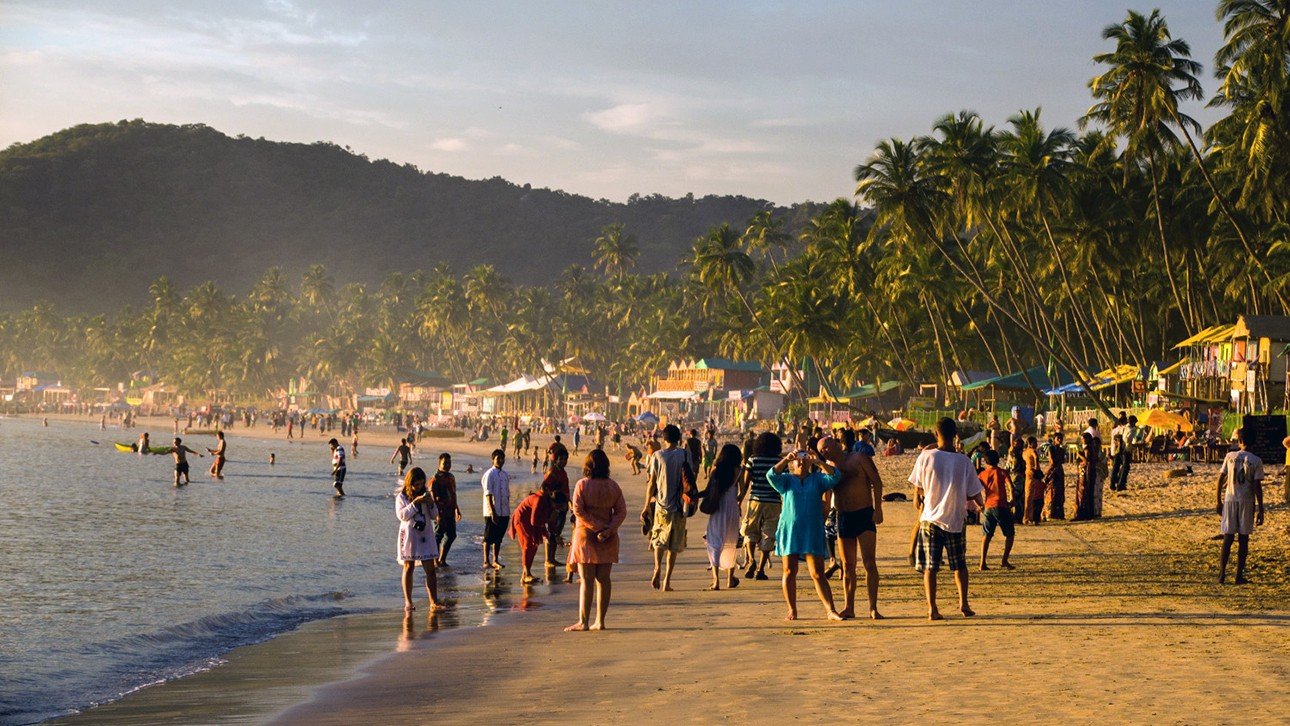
(778, 100)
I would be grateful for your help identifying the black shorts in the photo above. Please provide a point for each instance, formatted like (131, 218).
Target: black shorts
(338, 475)
(445, 527)
(495, 529)
(854, 524)
(1000, 518)
(181, 467)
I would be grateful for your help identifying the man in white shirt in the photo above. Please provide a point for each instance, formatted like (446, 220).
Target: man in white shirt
(1240, 488)
(497, 510)
(944, 480)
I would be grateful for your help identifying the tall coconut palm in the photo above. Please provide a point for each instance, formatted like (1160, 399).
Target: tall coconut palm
(615, 251)
(1150, 73)
(723, 267)
(906, 197)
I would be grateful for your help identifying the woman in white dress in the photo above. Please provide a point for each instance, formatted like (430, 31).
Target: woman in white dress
(720, 501)
(416, 512)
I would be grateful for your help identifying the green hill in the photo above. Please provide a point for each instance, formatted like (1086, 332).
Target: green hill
(91, 214)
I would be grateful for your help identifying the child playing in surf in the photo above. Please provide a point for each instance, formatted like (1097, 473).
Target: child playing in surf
(181, 461)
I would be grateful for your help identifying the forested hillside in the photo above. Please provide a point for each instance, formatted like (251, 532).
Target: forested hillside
(90, 215)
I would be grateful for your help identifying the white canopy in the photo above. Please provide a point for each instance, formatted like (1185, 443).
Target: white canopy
(519, 385)
(672, 395)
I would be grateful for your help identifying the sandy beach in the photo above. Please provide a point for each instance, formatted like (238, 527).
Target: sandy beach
(1119, 619)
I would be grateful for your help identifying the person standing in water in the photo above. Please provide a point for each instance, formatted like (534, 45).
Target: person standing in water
(444, 491)
(142, 446)
(337, 466)
(217, 466)
(556, 486)
(415, 508)
(181, 461)
(496, 484)
(403, 454)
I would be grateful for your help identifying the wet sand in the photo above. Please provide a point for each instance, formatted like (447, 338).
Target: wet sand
(1117, 619)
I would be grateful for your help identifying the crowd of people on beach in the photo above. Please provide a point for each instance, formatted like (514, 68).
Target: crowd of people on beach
(811, 498)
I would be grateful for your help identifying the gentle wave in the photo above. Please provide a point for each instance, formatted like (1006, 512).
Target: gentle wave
(146, 659)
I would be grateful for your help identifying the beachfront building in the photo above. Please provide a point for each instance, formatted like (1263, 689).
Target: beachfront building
(701, 388)
(31, 380)
(1204, 372)
(425, 391)
(1241, 365)
(1259, 343)
(467, 398)
(156, 399)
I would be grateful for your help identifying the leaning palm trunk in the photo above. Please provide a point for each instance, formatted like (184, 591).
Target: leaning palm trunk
(798, 382)
(1164, 243)
(1063, 359)
(1231, 218)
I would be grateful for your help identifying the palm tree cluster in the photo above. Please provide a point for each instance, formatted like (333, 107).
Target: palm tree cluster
(973, 246)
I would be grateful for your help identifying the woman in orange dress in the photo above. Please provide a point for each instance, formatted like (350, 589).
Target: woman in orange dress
(600, 509)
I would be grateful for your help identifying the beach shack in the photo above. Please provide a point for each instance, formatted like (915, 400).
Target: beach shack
(426, 391)
(1204, 374)
(699, 388)
(1025, 388)
(1258, 367)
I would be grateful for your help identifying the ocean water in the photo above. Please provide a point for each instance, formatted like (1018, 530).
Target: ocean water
(112, 579)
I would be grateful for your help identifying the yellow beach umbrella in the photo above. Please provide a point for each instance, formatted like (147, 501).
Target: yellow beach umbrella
(1158, 418)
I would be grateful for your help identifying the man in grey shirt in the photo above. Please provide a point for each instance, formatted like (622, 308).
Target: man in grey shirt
(670, 473)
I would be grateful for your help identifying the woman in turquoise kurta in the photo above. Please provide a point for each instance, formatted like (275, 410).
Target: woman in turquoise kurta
(801, 523)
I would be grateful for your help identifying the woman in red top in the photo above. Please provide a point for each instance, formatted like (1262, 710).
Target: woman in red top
(600, 509)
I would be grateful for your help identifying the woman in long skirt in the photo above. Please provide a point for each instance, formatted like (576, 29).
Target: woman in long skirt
(1086, 491)
(720, 501)
(1055, 478)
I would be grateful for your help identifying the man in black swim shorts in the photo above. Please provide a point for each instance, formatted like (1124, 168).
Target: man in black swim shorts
(858, 499)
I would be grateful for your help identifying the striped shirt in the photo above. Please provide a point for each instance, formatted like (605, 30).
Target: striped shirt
(760, 489)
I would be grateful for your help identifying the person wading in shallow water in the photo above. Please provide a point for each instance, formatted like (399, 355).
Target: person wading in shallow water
(181, 461)
(337, 467)
(219, 452)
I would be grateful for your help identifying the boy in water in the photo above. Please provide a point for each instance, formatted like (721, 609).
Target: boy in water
(181, 461)
(337, 466)
(998, 513)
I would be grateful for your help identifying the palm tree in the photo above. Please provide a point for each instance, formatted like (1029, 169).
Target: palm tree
(906, 197)
(722, 266)
(1150, 73)
(615, 252)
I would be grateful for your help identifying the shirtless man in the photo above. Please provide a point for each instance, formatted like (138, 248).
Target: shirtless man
(181, 461)
(217, 466)
(403, 454)
(858, 499)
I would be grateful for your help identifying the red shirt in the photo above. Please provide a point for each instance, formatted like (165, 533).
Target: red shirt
(996, 482)
(556, 485)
